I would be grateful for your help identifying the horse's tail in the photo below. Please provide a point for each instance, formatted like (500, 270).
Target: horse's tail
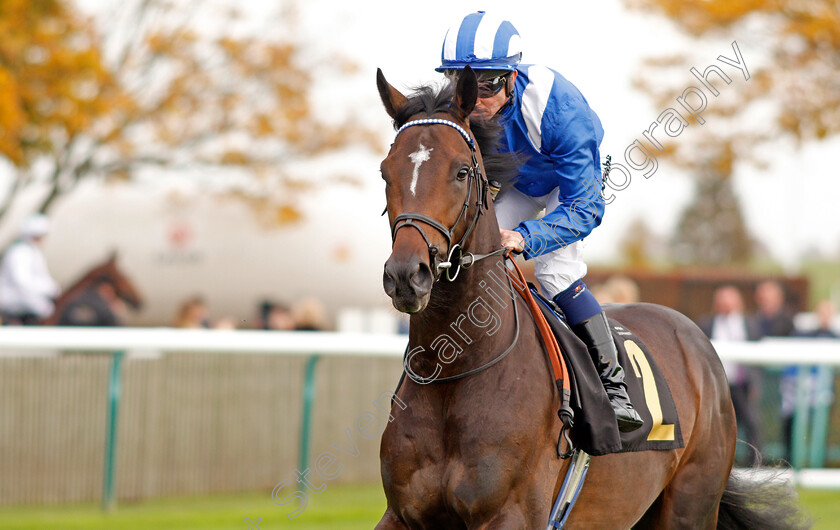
(760, 502)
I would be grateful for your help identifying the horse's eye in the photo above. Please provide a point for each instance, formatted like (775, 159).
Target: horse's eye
(463, 173)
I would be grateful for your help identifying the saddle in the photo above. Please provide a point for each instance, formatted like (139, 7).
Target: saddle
(588, 420)
(594, 428)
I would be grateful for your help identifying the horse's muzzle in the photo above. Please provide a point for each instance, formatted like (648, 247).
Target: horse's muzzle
(408, 283)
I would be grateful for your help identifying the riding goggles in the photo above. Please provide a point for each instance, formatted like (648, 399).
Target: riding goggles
(490, 87)
(490, 82)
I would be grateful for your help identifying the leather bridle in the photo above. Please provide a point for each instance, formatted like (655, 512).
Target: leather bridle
(559, 369)
(455, 255)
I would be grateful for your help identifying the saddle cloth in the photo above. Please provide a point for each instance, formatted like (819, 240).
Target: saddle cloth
(595, 430)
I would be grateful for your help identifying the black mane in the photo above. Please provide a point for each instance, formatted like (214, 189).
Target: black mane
(429, 100)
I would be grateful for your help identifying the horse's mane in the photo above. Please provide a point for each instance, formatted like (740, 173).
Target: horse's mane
(429, 100)
(89, 279)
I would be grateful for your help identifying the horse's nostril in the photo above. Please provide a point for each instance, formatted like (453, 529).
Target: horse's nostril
(407, 278)
(422, 278)
(388, 282)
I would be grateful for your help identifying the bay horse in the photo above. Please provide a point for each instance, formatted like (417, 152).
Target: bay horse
(107, 273)
(472, 441)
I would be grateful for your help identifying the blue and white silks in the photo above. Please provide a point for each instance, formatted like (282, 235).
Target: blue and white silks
(551, 125)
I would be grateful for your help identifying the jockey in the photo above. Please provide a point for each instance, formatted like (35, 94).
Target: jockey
(27, 289)
(549, 124)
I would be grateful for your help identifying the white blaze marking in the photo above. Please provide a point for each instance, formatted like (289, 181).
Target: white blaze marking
(418, 157)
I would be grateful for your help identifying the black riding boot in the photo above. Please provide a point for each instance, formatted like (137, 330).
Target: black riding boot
(595, 333)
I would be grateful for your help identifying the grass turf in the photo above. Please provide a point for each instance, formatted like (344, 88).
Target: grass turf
(823, 506)
(338, 507)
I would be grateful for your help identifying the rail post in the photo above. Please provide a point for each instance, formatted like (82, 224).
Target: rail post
(799, 448)
(822, 406)
(109, 485)
(306, 416)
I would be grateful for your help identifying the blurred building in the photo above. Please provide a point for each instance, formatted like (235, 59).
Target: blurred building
(176, 244)
(691, 290)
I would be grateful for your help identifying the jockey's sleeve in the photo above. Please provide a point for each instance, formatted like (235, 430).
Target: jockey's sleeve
(570, 137)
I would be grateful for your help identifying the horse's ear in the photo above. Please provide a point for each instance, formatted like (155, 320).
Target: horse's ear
(112, 258)
(466, 92)
(391, 97)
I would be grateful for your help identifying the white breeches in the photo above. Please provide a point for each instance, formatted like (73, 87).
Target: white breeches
(555, 270)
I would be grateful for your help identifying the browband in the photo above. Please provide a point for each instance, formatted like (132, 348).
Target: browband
(439, 121)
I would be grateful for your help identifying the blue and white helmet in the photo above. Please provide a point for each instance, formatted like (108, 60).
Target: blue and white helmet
(484, 42)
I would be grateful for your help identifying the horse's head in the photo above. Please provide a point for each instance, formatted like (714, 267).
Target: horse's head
(434, 186)
(110, 274)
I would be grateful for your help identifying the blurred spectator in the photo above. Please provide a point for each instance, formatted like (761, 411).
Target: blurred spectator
(275, 316)
(97, 306)
(601, 293)
(728, 323)
(27, 289)
(619, 290)
(309, 315)
(825, 311)
(192, 314)
(226, 323)
(774, 319)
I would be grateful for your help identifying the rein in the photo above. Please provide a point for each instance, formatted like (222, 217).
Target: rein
(426, 380)
(559, 369)
(558, 365)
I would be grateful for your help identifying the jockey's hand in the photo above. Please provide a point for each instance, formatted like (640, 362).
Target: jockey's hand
(512, 239)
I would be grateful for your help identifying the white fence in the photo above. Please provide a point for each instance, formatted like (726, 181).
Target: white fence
(145, 341)
(17, 342)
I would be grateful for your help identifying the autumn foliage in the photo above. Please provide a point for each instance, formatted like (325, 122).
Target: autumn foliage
(792, 49)
(53, 83)
(800, 38)
(81, 99)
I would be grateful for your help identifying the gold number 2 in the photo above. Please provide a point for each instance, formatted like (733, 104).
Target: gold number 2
(641, 366)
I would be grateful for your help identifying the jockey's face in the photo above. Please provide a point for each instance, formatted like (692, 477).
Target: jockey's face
(489, 106)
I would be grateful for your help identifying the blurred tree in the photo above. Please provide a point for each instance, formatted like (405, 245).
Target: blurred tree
(150, 88)
(711, 230)
(793, 92)
(802, 39)
(641, 248)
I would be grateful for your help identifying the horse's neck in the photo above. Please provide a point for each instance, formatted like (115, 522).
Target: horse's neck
(77, 288)
(473, 314)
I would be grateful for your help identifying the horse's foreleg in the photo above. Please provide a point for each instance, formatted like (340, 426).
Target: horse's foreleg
(390, 521)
